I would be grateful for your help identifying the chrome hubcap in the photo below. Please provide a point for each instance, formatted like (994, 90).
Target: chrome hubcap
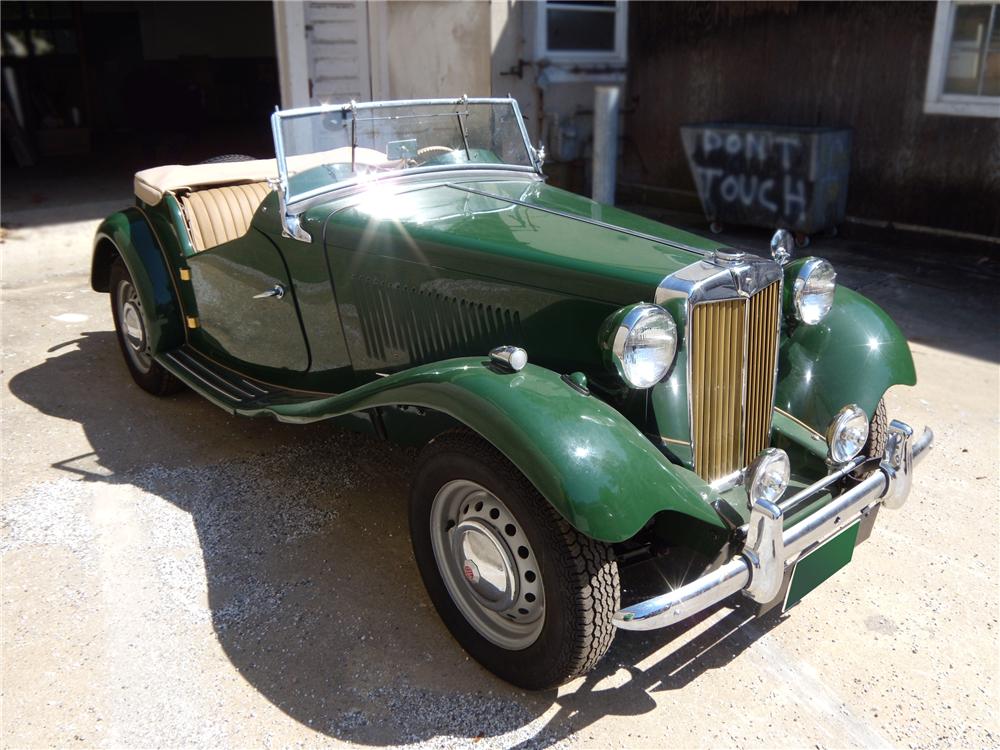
(487, 564)
(132, 330)
(133, 327)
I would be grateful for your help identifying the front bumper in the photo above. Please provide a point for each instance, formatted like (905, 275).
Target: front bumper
(759, 570)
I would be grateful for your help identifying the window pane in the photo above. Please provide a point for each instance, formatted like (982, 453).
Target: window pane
(968, 48)
(581, 29)
(991, 77)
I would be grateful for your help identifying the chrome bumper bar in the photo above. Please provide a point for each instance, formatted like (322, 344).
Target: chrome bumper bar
(758, 571)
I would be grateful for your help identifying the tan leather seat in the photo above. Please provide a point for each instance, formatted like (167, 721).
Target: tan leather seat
(221, 214)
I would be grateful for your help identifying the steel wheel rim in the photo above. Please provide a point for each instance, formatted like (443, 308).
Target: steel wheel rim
(487, 564)
(131, 327)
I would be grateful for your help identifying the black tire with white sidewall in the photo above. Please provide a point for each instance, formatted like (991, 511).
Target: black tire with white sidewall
(524, 593)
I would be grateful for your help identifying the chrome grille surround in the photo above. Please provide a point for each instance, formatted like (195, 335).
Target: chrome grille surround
(729, 277)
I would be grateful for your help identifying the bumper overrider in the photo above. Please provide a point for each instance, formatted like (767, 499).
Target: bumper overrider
(759, 569)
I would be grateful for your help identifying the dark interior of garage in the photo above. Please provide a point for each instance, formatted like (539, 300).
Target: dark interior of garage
(129, 85)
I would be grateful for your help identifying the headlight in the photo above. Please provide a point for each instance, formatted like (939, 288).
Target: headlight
(767, 476)
(847, 434)
(640, 341)
(813, 290)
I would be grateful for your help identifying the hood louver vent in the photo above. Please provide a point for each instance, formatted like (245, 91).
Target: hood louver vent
(407, 325)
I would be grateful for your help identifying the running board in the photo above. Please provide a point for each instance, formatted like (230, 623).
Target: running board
(225, 388)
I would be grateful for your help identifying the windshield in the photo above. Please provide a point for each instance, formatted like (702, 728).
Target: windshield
(322, 147)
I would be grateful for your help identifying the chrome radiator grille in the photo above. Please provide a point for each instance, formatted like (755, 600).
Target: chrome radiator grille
(733, 355)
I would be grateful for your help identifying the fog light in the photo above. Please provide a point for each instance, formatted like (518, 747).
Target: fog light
(847, 434)
(767, 476)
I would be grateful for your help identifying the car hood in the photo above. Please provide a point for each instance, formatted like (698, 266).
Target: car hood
(522, 231)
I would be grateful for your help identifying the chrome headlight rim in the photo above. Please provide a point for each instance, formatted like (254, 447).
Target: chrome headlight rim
(761, 469)
(808, 272)
(838, 428)
(623, 324)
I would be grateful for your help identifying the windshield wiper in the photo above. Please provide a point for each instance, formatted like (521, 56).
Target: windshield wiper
(354, 133)
(465, 136)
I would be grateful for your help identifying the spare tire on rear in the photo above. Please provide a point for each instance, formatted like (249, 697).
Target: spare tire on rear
(227, 158)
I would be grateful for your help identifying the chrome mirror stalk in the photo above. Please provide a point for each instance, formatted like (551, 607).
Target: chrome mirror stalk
(291, 224)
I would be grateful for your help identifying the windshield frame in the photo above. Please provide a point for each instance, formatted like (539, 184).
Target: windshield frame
(280, 115)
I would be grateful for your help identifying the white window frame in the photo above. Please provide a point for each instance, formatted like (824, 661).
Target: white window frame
(936, 101)
(584, 56)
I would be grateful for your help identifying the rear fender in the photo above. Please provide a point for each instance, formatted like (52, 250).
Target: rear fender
(596, 469)
(852, 357)
(127, 234)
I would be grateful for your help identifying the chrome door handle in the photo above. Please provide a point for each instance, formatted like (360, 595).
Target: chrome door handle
(277, 292)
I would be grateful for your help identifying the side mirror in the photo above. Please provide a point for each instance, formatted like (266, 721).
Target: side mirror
(291, 225)
(782, 244)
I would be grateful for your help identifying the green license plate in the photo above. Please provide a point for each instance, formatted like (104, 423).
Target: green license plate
(821, 563)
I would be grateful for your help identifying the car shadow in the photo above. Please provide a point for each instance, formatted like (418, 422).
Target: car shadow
(312, 590)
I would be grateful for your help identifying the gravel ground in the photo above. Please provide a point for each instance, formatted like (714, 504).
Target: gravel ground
(176, 577)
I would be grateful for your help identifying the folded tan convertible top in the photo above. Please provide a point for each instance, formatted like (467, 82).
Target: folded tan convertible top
(151, 184)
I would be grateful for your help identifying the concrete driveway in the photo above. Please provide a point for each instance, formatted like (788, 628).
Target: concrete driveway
(173, 576)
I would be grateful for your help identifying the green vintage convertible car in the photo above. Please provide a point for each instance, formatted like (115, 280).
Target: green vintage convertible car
(598, 395)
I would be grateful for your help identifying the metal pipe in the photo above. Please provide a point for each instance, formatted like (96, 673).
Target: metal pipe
(605, 143)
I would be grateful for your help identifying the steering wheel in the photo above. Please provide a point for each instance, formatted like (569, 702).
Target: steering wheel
(434, 150)
(428, 150)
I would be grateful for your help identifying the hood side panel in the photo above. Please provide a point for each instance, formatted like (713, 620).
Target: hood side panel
(498, 232)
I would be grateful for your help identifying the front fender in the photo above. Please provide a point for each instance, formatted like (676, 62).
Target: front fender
(601, 474)
(128, 234)
(852, 357)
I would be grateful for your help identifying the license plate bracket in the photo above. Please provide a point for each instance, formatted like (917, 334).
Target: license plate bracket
(820, 563)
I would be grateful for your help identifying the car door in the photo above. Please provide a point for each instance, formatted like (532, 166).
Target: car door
(246, 311)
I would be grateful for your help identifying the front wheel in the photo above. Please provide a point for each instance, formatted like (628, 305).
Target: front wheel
(524, 593)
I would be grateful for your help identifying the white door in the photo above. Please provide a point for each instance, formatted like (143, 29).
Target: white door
(338, 52)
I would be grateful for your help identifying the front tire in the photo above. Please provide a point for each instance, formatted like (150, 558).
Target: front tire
(130, 326)
(878, 436)
(529, 597)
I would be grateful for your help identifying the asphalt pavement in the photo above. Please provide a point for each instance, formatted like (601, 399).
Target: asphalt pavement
(173, 576)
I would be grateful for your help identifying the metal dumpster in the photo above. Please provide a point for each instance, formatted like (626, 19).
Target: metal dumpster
(770, 176)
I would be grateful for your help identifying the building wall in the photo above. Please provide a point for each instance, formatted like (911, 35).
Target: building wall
(558, 110)
(437, 49)
(863, 65)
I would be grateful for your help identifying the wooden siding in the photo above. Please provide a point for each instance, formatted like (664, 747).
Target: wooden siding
(862, 65)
